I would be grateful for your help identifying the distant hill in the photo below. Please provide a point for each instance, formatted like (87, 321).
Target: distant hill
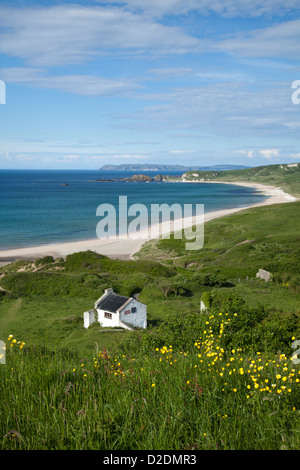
(179, 168)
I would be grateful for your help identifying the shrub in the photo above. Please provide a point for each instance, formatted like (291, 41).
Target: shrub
(44, 260)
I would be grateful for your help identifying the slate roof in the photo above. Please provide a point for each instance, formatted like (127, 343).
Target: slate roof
(112, 302)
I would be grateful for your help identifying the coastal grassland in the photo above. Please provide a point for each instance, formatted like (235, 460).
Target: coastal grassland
(44, 301)
(227, 378)
(286, 176)
(207, 395)
(238, 245)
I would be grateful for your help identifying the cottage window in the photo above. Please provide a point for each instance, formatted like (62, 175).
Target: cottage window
(133, 310)
(127, 312)
(108, 315)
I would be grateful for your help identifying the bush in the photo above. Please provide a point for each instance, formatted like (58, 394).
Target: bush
(210, 280)
(44, 260)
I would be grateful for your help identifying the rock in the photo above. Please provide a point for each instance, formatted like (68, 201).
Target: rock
(262, 274)
(159, 178)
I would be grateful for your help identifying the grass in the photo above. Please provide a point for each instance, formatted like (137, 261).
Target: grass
(224, 379)
(284, 176)
(48, 299)
(237, 246)
(208, 397)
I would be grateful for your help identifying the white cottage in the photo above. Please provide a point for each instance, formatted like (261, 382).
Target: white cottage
(116, 310)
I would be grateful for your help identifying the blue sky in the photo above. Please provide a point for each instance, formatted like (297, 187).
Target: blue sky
(190, 82)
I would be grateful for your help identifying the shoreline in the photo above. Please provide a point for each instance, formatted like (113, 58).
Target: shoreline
(123, 247)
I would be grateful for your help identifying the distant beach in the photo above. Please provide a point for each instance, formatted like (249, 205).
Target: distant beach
(123, 247)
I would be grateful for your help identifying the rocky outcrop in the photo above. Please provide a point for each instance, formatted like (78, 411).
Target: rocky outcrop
(262, 274)
(135, 179)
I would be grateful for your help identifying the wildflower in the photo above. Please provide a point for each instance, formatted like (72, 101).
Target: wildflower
(153, 385)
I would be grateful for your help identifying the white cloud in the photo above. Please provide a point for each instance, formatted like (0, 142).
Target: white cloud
(226, 8)
(71, 157)
(230, 110)
(72, 34)
(269, 154)
(181, 151)
(79, 84)
(170, 72)
(278, 40)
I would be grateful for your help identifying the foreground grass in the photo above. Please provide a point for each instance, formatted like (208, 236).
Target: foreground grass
(209, 397)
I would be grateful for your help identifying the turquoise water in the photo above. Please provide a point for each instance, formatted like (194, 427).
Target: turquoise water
(39, 207)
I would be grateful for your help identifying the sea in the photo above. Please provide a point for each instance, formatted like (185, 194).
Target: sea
(40, 207)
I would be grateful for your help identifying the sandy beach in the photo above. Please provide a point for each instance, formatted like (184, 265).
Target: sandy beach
(123, 247)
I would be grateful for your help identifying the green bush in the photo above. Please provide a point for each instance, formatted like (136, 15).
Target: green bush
(44, 260)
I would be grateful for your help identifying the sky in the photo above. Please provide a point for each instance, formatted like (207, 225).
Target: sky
(183, 82)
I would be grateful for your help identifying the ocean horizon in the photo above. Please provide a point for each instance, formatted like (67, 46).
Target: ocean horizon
(41, 207)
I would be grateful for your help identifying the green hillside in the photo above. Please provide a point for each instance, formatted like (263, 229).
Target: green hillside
(286, 176)
(44, 301)
(226, 378)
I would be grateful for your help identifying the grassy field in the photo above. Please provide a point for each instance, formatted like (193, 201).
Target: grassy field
(44, 301)
(285, 176)
(227, 378)
(207, 396)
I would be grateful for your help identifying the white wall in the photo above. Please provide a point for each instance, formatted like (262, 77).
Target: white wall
(137, 319)
(106, 322)
(88, 318)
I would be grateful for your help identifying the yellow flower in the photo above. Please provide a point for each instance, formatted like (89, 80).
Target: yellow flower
(153, 385)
